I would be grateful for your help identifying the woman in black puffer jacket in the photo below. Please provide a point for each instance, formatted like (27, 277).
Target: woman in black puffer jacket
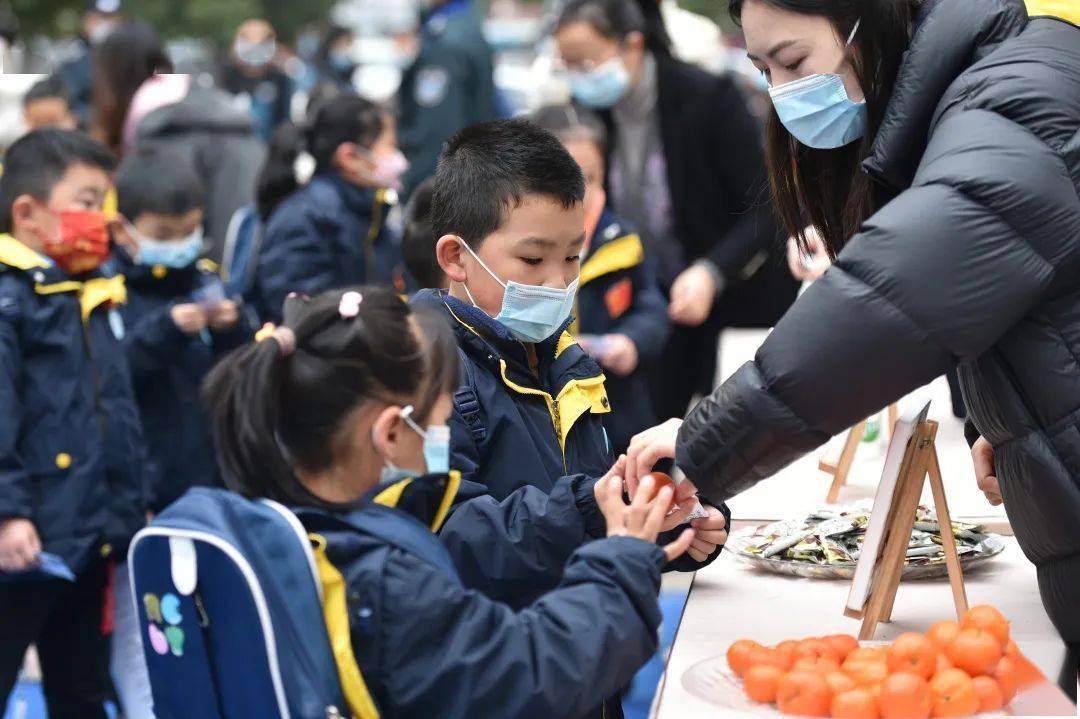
(958, 245)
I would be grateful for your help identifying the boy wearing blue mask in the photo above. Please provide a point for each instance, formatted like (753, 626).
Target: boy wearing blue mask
(508, 209)
(177, 317)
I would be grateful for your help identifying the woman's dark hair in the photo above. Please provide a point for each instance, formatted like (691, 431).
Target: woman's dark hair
(345, 117)
(271, 413)
(828, 188)
(615, 19)
(122, 62)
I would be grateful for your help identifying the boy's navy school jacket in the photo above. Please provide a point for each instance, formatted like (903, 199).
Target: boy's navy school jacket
(512, 428)
(425, 643)
(167, 369)
(72, 456)
(327, 235)
(618, 294)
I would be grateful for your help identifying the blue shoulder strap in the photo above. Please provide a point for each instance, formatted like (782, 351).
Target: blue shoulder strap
(466, 400)
(399, 529)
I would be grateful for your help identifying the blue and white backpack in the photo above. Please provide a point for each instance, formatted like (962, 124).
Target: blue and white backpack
(231, 615)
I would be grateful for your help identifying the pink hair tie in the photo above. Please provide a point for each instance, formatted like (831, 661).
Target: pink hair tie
(350, 305)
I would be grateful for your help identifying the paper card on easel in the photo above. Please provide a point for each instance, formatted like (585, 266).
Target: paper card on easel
(875, 528)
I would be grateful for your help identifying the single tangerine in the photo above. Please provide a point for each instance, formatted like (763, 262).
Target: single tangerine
(771, 657)
(817, 647)
(842, 644)
(990, 619)
(905, 696)
(786, 649)
(1005, 675)
(991, 698)
(873, 654)
(865, 673)
(953, 694)
(661, 480)
(976, 651)
(803, 694)
(761, 682)
(738, 655)
(839, 682)
(855, 704)
(912, 652)
(943, 633)
(818, 665)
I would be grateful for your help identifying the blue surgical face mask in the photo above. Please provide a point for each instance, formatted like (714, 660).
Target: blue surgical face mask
(340, 60)
(176, 254)
(436, 443)
(531, 313)
(817, 111)
(601, 87)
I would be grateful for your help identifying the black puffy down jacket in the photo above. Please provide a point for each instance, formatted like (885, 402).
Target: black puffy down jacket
(976, 263)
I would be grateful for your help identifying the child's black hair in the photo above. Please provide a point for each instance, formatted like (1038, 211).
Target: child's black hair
(38, 160)
(486, 169)
(160, 181)
(570, 123)
(271, 412)
(418, 239)
(615, 19)
(52, 87)
(346, 117)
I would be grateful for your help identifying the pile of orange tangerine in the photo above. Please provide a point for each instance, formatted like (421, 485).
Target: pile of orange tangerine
(953, 670)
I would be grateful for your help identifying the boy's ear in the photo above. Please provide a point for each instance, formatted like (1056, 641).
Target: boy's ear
(449, 254)
(24, 213)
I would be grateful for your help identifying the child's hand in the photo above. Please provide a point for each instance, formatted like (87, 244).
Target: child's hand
(620, 354)
(189, 319)
(19, 544)
(711, 533)
(224, 315)
(642, 518)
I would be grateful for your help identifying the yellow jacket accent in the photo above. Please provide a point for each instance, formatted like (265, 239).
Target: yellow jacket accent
(620, 254)
(336, 615)
(566, 341)
(575, 398)
(390, 496)
(1068, 10)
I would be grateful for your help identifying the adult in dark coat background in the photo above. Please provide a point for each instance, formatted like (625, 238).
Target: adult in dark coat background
(959, 246)
(686, 167)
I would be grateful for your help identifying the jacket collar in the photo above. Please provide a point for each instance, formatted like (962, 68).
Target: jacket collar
(560, 357)
(359, 200)
(43, 271)
(949, 37)
(156, 278)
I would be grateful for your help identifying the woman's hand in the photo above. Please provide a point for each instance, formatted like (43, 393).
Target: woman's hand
(807, 268)
(711, 532)
(642, 518)
(982, 455)
(649, 447)
(692, 296)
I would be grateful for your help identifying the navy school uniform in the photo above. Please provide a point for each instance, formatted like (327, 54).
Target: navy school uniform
(424, 643)
(327, 235)
(167, 369)
(72, 456)
(618, 294)
(513, 428)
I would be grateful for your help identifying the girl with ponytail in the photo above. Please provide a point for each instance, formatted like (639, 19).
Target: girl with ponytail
(340, 413)
(323, 197)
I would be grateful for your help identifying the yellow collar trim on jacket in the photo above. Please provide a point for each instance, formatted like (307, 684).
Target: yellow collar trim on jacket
(1068, 10)
(102, 290)
(391, 497)
(336, 616)
(16, 255)
(620, 254)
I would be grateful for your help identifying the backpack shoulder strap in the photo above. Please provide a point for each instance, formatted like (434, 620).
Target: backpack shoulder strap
(467, 402)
